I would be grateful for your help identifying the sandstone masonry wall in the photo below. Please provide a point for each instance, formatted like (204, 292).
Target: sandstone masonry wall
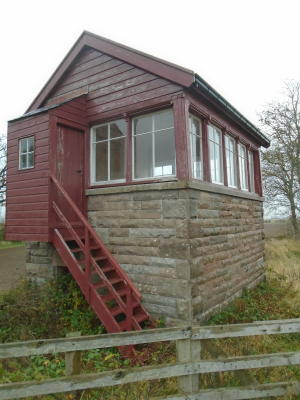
(188, 247)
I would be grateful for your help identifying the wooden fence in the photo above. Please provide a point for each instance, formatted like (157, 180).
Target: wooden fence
(188, 367)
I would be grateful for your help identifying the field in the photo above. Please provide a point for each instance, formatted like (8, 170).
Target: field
(32, 315)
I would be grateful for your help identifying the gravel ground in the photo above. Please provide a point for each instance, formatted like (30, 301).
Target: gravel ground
(12, 266)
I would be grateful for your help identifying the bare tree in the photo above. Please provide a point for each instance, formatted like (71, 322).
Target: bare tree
(2, 170)
(280, 163)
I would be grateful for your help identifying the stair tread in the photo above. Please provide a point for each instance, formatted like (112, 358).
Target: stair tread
(104, 269)
(118, 310)
(110, 296)
(79, 249)
(111, 281)
(141, 317)
(100, 258)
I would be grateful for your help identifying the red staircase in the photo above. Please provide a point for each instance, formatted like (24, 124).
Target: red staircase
(107, 288)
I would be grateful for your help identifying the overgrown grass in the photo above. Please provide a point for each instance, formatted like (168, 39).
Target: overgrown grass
(4, 243)
(29, 312)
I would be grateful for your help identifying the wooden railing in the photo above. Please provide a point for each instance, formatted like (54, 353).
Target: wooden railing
(89, 233)
(188, 367)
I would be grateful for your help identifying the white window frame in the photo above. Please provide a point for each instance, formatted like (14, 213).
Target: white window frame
(230, 138)
(221, 182)
(243, 163)
(251, 171)
(191, 116)
(153, 146)
(93, 154)
(26, 153)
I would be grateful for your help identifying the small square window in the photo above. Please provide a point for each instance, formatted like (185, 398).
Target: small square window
(26, 153)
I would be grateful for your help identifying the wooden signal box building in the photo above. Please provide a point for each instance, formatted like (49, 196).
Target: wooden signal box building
(141, 179)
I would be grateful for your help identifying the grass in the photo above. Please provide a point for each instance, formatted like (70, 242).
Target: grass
(4, 244)
(31, 312)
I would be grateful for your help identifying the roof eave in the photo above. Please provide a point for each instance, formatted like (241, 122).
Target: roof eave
(203, 86)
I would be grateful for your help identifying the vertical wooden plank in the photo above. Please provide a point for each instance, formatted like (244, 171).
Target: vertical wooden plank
(183, 354)
(128, 148)
(257, 173)
(224, 158)
(182, 139)
(52, 167)
(72, 359)
(196, 358)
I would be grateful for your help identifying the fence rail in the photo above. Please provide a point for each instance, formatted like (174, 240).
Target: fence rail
(188, 368)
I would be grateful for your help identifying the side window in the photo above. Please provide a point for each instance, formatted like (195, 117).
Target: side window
(251, 171)
(154, 145)
(215, 151)
(196, 146)
(108, 161)
(26, 153)
(243, 167)
(230, 161)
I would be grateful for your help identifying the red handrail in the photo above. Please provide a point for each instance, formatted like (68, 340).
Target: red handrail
(95, 236)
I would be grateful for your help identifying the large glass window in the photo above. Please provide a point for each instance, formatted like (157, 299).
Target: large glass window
(26, 153)
(251, 171)
(196, 146)
(230, 161)
(154, 145)
(243, 167)
(215, 151)
(109, 152)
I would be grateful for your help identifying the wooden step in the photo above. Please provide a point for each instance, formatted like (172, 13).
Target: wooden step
(79, 249)
(100, 258)
(104, 269)
(110, 296)
(118, 310)
(111, 281)
(140, 317)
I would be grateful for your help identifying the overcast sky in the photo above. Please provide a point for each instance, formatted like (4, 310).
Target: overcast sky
(244, 49)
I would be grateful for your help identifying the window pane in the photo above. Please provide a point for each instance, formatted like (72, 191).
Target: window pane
(218, 136)
(164, 120)
(211, 133)
(24, 146)
(118, 129)
(101, 133)
(30, 144)
(212, 160)
(233, 169)
(232, 145)
(164, 153)
(30, 160)
(143, 165)
(118, 159)
(227, 141)
(101, 161)
(218, 163)
(197, 161)
(143, 125)
(23, 159)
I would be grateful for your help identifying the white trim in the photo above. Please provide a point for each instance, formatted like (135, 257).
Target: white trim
(93, 144)
(20, 168)
(215, 128)
(151, 114)
(191, 116)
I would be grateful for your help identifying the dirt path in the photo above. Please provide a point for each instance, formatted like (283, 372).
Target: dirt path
(12, 266)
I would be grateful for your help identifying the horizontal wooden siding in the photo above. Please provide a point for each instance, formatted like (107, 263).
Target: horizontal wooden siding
(28, 190)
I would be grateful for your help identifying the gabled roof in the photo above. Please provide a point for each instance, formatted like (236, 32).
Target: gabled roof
(157, 66)
(172, 72)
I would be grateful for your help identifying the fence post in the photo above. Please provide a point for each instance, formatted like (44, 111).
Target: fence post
(183, 355)
(196, 358)
(72, 359)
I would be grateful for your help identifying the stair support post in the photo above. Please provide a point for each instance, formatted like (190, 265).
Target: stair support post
(87, 248)
(129, 313)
